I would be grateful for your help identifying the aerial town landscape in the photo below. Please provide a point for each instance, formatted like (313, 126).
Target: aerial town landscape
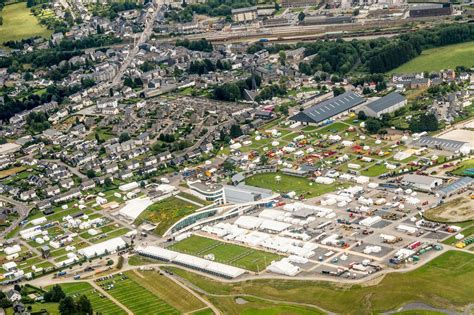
(237, 157)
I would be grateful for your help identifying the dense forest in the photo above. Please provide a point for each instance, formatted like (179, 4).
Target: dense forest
(374, 56)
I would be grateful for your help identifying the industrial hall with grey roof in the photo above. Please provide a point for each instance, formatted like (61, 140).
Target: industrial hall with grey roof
(329, 108)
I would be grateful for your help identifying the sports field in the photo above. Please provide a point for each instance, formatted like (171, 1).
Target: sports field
(166, 212)
(446, 282)
(20, 23)
(435, 59)
(135, 297)
(99, 304)
(287, 183)
(231, 254)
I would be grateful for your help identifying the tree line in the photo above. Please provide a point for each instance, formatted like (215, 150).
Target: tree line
(206, 65)
(199, 45)
(373, 56)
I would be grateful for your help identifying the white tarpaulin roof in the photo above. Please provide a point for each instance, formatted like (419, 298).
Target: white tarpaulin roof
(135, 207)
(99, 249)
(248, 222)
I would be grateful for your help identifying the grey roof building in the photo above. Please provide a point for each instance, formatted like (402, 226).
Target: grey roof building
(441, 144)
(329, 108)
(384, 105)
(243, 193)
(422, 182)
(456, 186)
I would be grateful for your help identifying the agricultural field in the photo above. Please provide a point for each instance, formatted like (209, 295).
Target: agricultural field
(166, 212)
(19, 23)
(435, 59)
(231, 254)
(99, 304)
(445, 282)
(287, 183)
(11, 171)
(135, 296)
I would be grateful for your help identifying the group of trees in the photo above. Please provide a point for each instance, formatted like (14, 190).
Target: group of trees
(271, 91)
(198, 45)
(147, 66)
(114, 8)
(373, 56)
(68, 305)
(133, 83)
(98, 40)
(374, 125)
(37, 122)
(426, 122)
(220, 7)
(204, 66)
(11, 105)
(169, 138)
(234, 91)
(182, 16)
(32, 3)
(234, 132)
(407, 46)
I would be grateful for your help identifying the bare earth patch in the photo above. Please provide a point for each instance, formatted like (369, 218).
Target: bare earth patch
(456, 210)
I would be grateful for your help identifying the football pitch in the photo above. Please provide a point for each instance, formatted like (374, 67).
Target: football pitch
(230, 254)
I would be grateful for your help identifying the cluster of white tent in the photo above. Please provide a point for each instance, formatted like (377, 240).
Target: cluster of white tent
(110, 246)
(133, 208)
(284, 267)
(189, 261)
(282, 244)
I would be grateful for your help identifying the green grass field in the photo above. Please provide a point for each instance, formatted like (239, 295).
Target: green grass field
(99, 304)
(445, 282)
(166, 212)
(136, 298)
(231, 254)
(253, 306)
(463, 167)
(288, 183)
(466, 232)
(375, 170)
(20, 23)
(167, 290)
(435, 59)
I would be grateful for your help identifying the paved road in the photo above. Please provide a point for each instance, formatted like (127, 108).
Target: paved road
(23, 211)
(72, 169)
(142, 39)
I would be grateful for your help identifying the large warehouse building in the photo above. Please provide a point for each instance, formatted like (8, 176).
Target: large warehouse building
(197, 263)
(385, 105)
(443, 144)
(328, 109)
(430, 9)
